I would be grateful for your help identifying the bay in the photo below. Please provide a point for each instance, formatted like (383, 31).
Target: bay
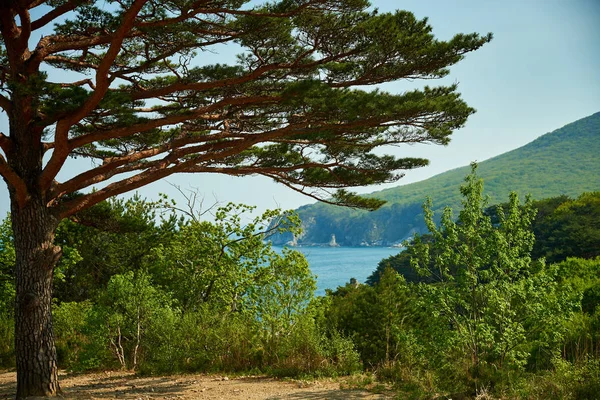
(334, 266)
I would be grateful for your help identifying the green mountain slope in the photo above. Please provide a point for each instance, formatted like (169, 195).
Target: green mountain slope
(566, 161)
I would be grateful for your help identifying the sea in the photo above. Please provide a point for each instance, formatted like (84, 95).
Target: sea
(334, 266)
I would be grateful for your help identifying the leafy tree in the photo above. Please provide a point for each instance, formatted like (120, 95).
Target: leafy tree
(130, 307)
(377, 318)
(571, 229)
(579, 279)
(280, 296)
(217, 263)
(113, 237)
(401, 264)
(495, 299)
(564, 227)
(141, 106)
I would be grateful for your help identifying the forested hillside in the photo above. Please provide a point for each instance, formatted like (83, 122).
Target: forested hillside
(563, 162)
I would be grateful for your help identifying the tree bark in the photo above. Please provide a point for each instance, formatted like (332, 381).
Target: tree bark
(34, 225)
(36, 257)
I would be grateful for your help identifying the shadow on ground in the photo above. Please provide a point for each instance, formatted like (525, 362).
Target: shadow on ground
(128, 386)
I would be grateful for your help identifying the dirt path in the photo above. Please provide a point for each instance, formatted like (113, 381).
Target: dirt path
(120, 385)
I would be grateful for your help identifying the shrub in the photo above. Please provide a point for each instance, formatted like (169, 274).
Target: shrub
(70, 320)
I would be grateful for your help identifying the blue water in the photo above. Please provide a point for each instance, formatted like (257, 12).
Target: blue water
(334, 266)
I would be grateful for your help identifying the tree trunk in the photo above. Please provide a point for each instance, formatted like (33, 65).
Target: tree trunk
(36, 257)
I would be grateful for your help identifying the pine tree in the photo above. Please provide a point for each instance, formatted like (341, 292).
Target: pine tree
(135, 97)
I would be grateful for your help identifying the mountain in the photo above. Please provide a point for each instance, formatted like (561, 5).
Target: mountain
(563, 162)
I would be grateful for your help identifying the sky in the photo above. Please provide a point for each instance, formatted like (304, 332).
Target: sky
(540, 72)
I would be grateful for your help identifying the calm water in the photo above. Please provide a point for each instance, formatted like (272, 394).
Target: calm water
(334, 266)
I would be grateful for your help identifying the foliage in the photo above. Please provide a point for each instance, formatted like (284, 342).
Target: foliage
(482, 319)
(278, 297)
(209, 296)
(287, 108)
(70, 323)
(563, 227)
(570, 230)
(217, 262)
(111, 238)
(377, 319)
(132, 309)
(492, 302)
(580, 280)
(567, 381)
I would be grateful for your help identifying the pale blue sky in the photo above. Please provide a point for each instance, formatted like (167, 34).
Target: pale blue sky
(541, 71)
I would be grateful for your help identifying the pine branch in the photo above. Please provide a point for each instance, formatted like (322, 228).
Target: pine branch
(5, 104)
(103, 81)
(54, 14)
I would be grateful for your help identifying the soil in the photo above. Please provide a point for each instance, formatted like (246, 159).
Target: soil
(124, 385)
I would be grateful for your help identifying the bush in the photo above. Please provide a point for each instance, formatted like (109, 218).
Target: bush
(342, 354)
(70, 320)
(567, 381)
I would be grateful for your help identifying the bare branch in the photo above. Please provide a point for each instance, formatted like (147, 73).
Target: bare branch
(82, 82)
(34, 3)
(229, 11)
(131, 162)
(215, 150)
(191, 203)
(57, 43)
(107, 170)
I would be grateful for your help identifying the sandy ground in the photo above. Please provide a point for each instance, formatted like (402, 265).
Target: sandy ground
(123, 385)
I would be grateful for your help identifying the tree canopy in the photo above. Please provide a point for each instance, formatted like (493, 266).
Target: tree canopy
(140, 101)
